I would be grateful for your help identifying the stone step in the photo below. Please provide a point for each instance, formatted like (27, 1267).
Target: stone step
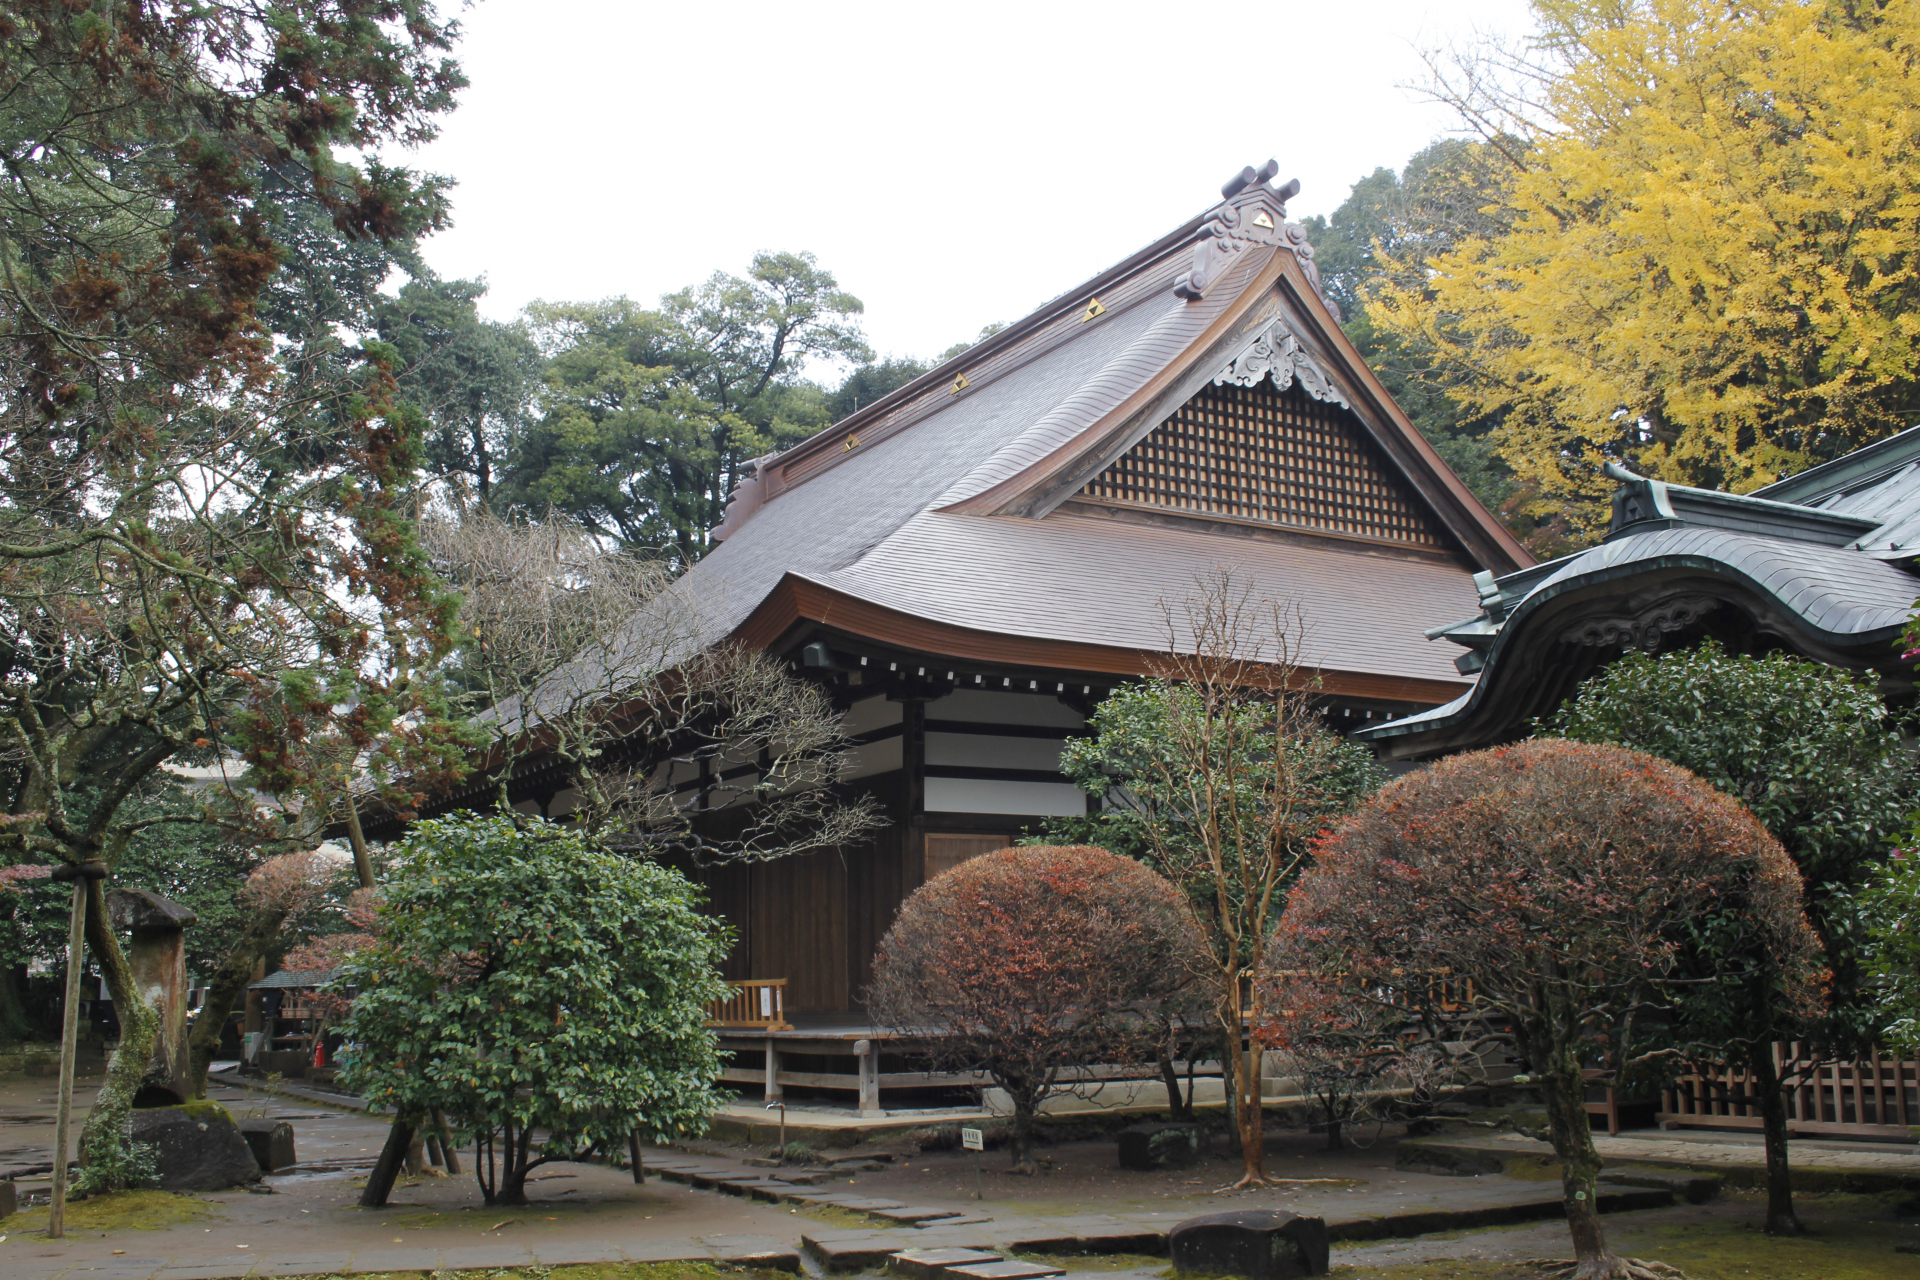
(1004, 1271)
(931, 1264)
(914, 1215)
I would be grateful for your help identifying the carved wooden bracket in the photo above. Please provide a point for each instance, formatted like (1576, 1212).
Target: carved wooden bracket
(1275, 353)
(1643, 630)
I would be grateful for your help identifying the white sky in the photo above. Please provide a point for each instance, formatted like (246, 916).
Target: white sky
(952, 164)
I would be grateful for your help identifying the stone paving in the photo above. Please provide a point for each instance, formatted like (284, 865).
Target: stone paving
(720, 1209)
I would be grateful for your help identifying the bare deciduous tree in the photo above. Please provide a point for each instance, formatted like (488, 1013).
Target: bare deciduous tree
(581, 653)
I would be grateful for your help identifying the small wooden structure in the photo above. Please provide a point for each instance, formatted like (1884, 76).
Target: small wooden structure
(280, 1009)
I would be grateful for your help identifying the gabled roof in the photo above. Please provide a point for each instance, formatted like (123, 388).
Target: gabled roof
(939, 506)
(1823, 560)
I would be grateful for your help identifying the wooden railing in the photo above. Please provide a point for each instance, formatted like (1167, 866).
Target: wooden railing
(757, 1002)
(1875, 1096)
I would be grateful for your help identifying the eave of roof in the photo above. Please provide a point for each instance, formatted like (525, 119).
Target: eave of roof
(799, 599)
(1840, 599)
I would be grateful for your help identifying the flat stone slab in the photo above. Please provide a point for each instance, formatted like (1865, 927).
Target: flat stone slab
(851, 1251)
(914, 1215)
(865, 1203)
(1006, 1271)
(925, 1264)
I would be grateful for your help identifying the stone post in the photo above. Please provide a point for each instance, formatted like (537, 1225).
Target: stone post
(158, 958)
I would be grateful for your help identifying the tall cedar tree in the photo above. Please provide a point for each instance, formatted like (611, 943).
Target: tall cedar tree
(1564, 882)
(204, 537)
(1030, 961)
(1814, 754)
(1705, 265)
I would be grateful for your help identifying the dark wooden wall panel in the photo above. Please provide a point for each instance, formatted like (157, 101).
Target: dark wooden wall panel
(800, 929)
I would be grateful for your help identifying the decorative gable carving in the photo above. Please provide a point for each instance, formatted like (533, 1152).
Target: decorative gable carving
(1278, 355)
(1254, 214)
(1263, 445)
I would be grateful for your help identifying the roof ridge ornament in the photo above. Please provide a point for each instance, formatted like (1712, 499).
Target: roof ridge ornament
(1254, 214)
(1276, 353)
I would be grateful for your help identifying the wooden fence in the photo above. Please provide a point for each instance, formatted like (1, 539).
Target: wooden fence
(1876, 1096)
(758, 1002)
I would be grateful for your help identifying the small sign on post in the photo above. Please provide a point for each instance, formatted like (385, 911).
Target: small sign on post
(975, 1141)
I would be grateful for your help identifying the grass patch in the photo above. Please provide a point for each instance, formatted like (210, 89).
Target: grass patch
(121, 1211)
(834, 1216)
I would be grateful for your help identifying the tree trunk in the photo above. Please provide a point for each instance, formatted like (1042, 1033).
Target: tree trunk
(1565, 1090)
(14, 1023)
(1177, 1109)
(229, 983)
(362, 860)
(1243, 1070)
(513, 1178)
(1020, 1142)
(1332, 1103)
(387, 1168)
(104, 1134)
(1781, 1219)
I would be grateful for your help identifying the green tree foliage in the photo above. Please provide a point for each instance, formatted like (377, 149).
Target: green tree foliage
(547, 997)
(204, 491)
(649, 416)
(1891, 906)
(869, 382)
(474, 379)
(1815, 756)
(1812, 751)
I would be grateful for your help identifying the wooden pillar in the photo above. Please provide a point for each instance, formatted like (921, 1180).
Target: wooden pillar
(868, 1055)
(913, 759)
(771, 1092)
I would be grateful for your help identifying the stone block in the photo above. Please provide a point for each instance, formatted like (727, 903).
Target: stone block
(1148, 1147)
(913, 1215)
(1006, 1271)
(199, 1147)
(930, 1264)
(851, 1251)
(1260, 1244)
(271, 1142)
(9, 1197)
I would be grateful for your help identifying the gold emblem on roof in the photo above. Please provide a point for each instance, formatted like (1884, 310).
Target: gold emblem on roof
(960, 384)
(853, 442)
(1093, 309)
(1261, 219)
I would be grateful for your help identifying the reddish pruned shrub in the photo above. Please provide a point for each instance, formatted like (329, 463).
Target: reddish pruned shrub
(1565, 882)
(1029, 961)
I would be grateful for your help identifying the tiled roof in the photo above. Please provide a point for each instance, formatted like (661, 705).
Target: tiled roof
(1845, 590)
(885, 506)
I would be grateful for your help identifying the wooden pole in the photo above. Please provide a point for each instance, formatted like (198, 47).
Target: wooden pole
(69, 1037)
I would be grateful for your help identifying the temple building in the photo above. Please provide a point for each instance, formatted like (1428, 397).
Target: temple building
(971, 563)
(1821, 565)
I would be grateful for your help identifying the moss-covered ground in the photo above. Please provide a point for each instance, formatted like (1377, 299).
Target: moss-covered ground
(123, 1211)
(1851, 1237)
(598, 1271)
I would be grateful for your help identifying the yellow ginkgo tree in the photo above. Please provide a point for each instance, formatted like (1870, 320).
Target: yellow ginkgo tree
(1708, 262)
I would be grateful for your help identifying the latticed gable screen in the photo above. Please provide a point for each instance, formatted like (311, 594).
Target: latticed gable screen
(1279, 457)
